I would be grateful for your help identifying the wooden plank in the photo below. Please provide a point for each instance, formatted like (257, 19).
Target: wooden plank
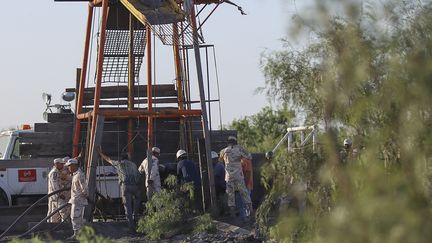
(60, 117)
(91, 173)
(53, 127)
(45, 150)
(45, 137)
(165, 12)
(110, 92)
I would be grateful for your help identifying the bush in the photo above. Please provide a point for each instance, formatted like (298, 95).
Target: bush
(87, 234)
(204, 223)
(167, 210)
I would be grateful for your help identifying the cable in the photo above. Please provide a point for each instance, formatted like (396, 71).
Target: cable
(218, 87)
(30, 208)
(43, 220)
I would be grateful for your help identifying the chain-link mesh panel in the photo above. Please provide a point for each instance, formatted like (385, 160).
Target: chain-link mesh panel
(116, 54)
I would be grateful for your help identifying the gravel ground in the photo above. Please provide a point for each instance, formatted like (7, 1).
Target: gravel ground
(118, 232)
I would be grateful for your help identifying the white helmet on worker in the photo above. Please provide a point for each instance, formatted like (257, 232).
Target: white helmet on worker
(232, 138)
(347, 141)
(214, 155)
(58, 160)
(156, 150)
(71, 162)
(180, 153)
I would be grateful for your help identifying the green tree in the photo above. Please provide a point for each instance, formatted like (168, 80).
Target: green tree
(259, 132)
(372, 78)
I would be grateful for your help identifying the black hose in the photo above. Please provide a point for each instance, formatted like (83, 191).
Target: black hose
(30, 208)
(44, 219)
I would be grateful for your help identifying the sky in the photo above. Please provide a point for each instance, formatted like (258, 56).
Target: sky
(42, 42)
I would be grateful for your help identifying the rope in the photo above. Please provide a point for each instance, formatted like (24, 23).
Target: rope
(218, 87)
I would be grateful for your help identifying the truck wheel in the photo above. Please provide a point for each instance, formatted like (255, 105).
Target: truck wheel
(3, 198)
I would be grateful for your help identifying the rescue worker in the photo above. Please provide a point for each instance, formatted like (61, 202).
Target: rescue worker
(187, 172)
(232, 156)
(151, 172)
(219, 174)
(79, 195)
(248, 178)
(65, 181)
(219, 180)
(347, 154)
(54, 184)
(129, 179)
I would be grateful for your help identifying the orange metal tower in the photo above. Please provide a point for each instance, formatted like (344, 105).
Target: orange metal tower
(140, 17)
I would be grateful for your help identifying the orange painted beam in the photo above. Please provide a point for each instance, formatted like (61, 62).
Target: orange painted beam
(80, 100)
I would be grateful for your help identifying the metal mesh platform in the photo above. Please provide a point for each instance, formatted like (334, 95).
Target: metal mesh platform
(160, 18)
(116, 52)
(165, 33)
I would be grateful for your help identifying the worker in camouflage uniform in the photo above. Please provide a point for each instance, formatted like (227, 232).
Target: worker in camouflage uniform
(151, 172)
(79, 195)
(65, 181)
(232, 156)
(54, 184)
(129, 179)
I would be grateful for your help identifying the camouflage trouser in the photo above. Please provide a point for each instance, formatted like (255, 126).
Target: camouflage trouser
(65, 212)
(77, 216)
(53, 204)
(237, 186)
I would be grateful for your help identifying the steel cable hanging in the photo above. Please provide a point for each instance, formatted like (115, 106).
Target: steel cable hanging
(218, 88)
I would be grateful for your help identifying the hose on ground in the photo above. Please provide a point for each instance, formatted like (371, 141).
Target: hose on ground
(44, 220)
(30, 208)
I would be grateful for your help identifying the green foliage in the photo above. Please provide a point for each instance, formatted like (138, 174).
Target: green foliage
(166, 210)
(258, 132)
(287, 176)
(32, 240)
(371, 79)
(204, 224)
(87, 234)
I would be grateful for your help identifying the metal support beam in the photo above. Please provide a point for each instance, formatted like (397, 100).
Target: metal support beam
(97, 94)
(124, 114)
(179, 83)
(80, 98)
(204, 111)
(149, 99)
(131, 82)
(91, 170)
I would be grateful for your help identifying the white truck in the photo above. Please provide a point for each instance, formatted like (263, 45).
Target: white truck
(23, 179)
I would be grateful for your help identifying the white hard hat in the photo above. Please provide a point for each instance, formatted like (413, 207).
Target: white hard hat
(214, 155)
(180, 153)
(58, 160)
(65, 159)
(71, 162)
(232, 138)
(156, 150)
(347, 141)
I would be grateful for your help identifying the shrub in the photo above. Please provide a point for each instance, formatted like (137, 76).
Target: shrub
(167, 210)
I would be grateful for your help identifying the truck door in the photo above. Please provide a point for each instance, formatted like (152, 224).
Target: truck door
(25, 179)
